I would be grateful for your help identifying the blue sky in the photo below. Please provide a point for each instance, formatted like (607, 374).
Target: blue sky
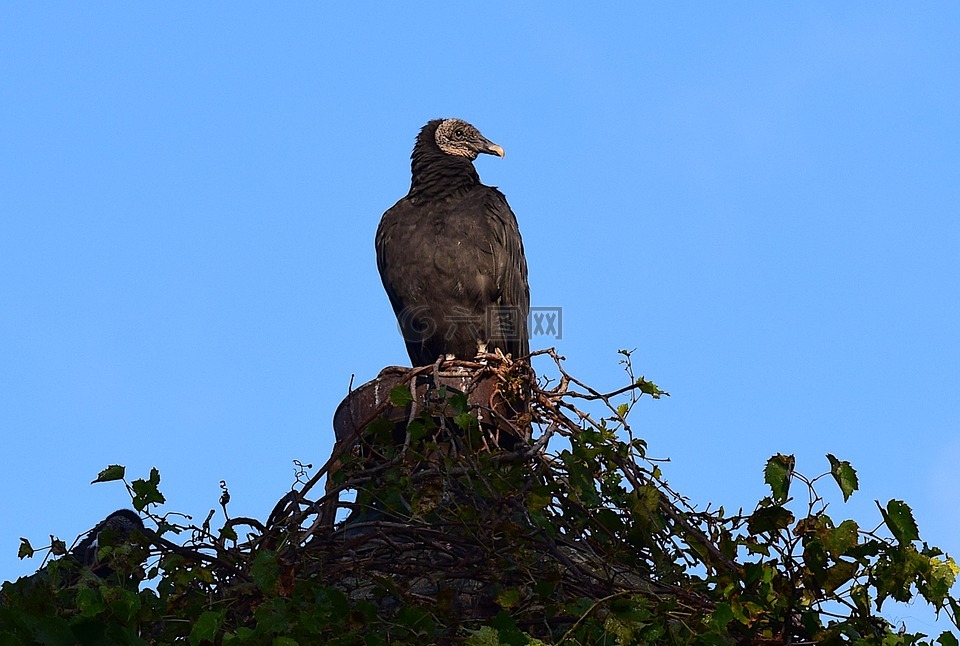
(761, 198)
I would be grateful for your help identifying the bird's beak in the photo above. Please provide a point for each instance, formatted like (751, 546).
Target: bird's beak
(491, 148)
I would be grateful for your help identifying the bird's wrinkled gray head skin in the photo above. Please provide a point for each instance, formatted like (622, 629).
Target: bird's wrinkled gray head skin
(457, 137)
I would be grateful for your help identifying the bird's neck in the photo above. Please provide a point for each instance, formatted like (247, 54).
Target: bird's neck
(437, 175)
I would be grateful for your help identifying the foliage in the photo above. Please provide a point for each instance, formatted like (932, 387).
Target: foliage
(569, 536)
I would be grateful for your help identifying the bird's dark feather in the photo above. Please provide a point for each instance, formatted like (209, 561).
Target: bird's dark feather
(451, 260)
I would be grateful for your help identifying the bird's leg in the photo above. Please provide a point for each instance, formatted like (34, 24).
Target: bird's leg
(481, 352)
(436, 384)
(412, 416)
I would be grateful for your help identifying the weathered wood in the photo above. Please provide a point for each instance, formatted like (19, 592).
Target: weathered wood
(480, 384)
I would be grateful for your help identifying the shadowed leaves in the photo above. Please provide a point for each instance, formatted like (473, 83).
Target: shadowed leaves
(146, 492)
(112, 472)
(845, 475)
(899, 520)
(777, 475)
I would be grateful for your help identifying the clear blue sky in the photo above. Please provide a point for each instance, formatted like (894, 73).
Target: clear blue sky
(762, 198)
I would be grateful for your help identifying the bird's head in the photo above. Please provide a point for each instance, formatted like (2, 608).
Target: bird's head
(459, 138)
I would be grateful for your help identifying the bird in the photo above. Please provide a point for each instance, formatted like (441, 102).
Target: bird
(450, 255)
(119, 525)
(117, 529)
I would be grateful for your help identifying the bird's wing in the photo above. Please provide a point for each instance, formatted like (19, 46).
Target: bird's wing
(383, 245)
(511, 274)
(397, 263)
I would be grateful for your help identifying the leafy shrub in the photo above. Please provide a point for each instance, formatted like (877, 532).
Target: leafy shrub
(567, 535)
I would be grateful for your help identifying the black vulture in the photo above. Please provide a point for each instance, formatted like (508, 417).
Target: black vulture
(119, 525)
(450, 254)
(116, 529)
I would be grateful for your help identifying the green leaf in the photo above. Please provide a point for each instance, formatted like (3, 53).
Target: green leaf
(400, 396)
(241, 635)
(89, 602)
(838, 575)
(777, 474)
(865, 550)
(338, 601)
(722, 615)
(228, 534)
(769, 519)
(508, 598)
(417, 620)
(57, 547)
(285, 641)
(840, 539)
(146, 491)
(939, 578)
(123, 604)
(466, 421)
(380, 432)
(484, 636)
(206, 628)
(459, 402)
(50, 631)
(112, 472)
(845, 475)
(650, 388)
(507, 629)
(947, 638)
(417, 430)
(544, 589)
(26, 550)
(899, 518)
(265, 571)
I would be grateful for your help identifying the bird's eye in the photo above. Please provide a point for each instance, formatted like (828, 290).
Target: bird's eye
(458, 132)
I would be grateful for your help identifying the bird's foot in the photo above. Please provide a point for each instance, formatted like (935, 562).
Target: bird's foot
(496, 356)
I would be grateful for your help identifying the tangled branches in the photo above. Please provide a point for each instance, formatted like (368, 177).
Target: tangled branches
(473, 501)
